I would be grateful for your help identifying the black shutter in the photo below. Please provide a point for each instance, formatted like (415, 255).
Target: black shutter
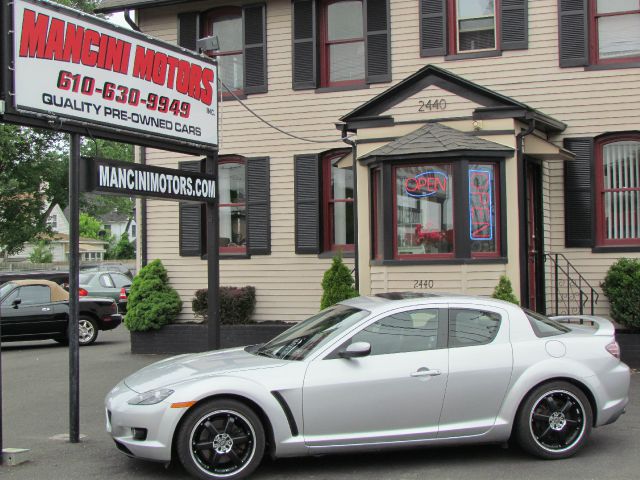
(514, 25)
(305, 52)
(378, 37)
(258, 206)
(573, 25)
(433, 27)
(190, 219)
(255, 49)
(307, 192)
(188, 30)
(578, 196)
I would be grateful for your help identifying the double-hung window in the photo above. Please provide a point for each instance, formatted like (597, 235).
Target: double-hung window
(616, 30)
(475, 25)
(232, 206)
(338, 206)
(618, 191)
(226, 25)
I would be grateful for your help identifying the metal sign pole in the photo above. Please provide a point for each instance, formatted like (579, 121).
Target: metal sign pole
(213, 261)
(1, 447)
(74, 271)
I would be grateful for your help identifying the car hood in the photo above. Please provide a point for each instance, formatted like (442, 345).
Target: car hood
(198, 365)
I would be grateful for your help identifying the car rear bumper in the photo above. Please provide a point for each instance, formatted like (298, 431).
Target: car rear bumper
(612, 394)
(110, 322)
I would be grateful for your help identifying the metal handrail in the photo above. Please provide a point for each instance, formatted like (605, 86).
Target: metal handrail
(593, 296)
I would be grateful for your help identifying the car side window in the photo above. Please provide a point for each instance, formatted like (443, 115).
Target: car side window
(411, 331)
(120, 280)
(34, 294)
(470, 327)
(10, 298)
(105, 281)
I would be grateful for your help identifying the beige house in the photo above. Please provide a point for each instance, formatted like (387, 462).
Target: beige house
(438, 143)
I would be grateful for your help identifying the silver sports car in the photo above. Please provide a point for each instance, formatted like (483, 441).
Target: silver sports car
(378, 372)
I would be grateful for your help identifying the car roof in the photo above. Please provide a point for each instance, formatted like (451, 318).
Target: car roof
(58, 294)
(392, 300)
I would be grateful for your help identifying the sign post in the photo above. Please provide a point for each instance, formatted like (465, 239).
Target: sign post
(65, 70)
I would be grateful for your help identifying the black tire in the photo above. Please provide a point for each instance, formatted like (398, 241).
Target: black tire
(554, 421)
(87, 330)
(221, 439)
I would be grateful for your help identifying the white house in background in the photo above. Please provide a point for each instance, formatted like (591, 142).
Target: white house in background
(118, 223)
(58, 220)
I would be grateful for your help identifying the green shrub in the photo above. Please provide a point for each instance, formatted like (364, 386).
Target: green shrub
(41, 252)
(337, 284)
(152, 301)
(622, 288)
(504, 291)
(237, 304)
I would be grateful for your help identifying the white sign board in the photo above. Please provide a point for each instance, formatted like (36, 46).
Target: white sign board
(83, 68)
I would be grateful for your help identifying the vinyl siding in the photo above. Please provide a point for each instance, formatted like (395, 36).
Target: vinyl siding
(288, 285)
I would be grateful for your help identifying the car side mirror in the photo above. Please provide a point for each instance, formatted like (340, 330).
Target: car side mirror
(356, 350)
(16, 302)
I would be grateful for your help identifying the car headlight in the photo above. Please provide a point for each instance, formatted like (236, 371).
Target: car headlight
(151, 397)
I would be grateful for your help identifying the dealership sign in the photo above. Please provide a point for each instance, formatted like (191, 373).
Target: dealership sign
(134, 179)
(83, 69)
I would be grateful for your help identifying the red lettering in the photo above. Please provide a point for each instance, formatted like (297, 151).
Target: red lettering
(195, 79)
(73, 43)
(143, 63)
(182, 84)
(159, 76)
(206, 95)
(117, 55)
(90, 57)
(55, 40)
(102, 51)
(171, 74)
(33, 38)
(482, 231)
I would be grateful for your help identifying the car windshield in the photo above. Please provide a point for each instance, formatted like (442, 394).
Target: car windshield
(543, 326)
(6, 288)
(297, 342)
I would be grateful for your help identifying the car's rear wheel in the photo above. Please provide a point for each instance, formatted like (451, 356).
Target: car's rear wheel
(221, 439)
(87, 331)
(554, 421)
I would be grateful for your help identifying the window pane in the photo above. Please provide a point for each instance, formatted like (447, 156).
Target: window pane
(341, 183)
(413, 331)
(482, 208)
(610, 6)
(475, 8)
(424, 208)
(231, 70)
(34, 294)
(621, 170)
(619, 36)
(344, 20)
(346, 62)
(231, 183)
(472, 327)
(233, 227)
(343, 228)
(228, 29)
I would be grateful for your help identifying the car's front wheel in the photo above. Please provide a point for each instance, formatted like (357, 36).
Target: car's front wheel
(87, 331)
(221, 439)
(554, 421)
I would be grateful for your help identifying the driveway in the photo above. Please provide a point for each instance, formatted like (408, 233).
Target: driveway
(35, 381)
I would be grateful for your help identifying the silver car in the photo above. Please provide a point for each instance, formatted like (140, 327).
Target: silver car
(374, 373)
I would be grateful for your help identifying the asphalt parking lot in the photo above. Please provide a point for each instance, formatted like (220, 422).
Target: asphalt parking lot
(35, 381)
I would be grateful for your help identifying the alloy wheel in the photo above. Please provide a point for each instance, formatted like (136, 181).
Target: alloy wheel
(557, 421)
(222, 443)
(86, 331)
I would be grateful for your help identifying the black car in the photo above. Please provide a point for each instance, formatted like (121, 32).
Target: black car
(39, 310)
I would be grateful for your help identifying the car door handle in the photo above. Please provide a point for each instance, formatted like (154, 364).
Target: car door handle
(425, 372)
(46, 309)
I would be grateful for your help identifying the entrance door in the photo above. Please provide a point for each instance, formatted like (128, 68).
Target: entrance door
(535, 248)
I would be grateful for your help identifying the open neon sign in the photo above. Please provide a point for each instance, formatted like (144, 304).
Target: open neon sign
(426, 184)
(481, 221)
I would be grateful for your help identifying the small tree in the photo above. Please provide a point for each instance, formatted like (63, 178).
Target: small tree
(337, 284)
(41, 253)
(504, 291)
(124, 249)
(89, 226)
(152, 301)
(622, 288)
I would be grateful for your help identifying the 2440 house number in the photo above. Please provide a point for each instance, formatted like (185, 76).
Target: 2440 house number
(431, 105)
(423, 284)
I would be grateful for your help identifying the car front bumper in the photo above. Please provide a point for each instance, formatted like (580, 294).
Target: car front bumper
(158, 420)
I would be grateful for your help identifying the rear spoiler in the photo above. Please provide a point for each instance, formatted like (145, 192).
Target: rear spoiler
(604, 327)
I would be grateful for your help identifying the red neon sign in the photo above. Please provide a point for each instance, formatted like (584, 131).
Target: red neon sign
(426, 184)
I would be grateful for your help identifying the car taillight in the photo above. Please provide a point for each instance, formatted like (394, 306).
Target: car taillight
(82, 292)
(114, 307)
(614, 349)
(123, 294)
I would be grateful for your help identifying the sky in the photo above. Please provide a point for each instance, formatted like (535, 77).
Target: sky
(118, 19)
